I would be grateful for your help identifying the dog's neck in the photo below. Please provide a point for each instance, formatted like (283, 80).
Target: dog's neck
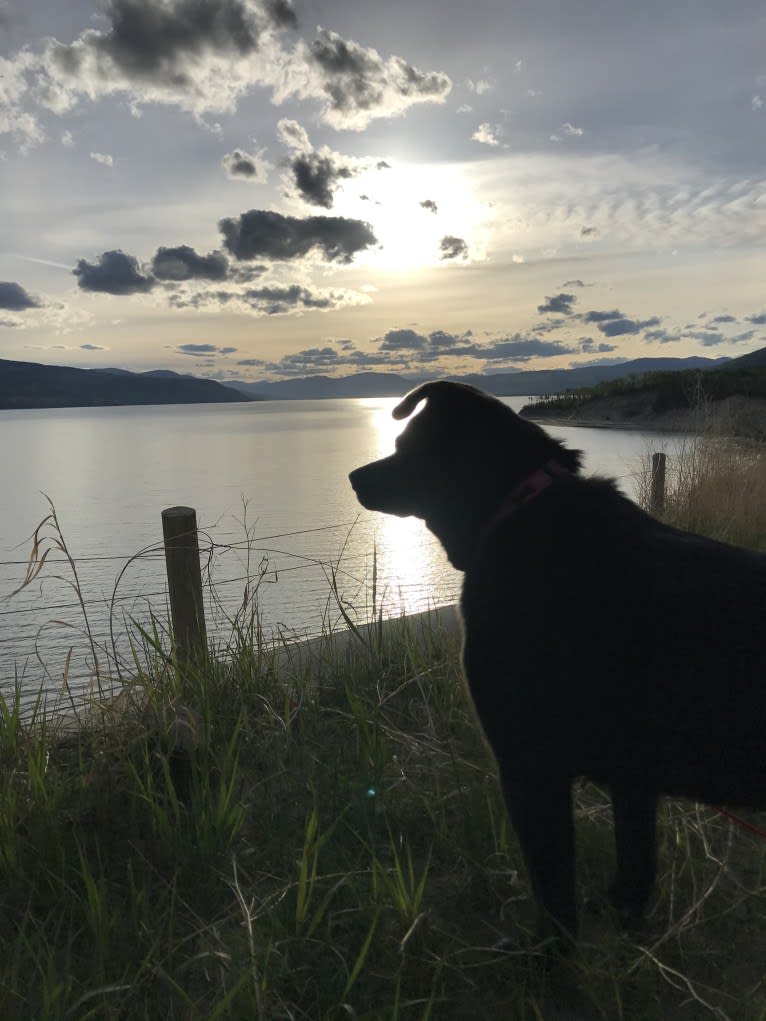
(532, 486)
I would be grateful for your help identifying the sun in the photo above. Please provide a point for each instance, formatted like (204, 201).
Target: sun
(411, 209)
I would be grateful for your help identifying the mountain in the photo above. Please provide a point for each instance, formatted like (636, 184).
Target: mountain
(30, 385)
(502, 384)
(753, 360)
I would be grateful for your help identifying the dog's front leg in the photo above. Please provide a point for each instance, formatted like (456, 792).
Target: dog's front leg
(635, 825)
(540, 807)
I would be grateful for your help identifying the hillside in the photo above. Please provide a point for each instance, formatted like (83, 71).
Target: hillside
(733, 395)
(503, 384)
(31, 385)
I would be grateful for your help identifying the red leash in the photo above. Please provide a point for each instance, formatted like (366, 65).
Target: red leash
(740, 822)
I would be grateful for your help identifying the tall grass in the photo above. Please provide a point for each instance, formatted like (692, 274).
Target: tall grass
(715, 486)
(264, 837)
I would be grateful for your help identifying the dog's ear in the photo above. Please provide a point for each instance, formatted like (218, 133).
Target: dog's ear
(442, 389)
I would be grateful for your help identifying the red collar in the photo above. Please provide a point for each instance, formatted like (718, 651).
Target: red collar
(527, 490)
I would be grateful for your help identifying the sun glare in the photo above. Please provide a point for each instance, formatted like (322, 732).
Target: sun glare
(409, 559)
(411, 209)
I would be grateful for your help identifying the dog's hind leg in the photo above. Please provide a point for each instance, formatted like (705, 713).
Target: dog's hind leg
(540, 807)
(635, 831)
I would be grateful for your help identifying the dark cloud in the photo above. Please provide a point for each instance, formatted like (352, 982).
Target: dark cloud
(403, 340)
(151, 40)
(522, 349)
(662, 336)
(724, 319)
(758, 320)
(602, 317)
(588, 231)
(382, 165)
(441, 340)
(92, 347)
(358, 84)
(709, 338)
(271, 299)
(202, 350)
(573, 283)
(183, 263)
(589, 346)
(113, 273)
(261, 233)
(14, 298)
(282, 13)
(316, 176)
(278, 300)
(620, 327)
(240, 164)
(430, 205)
(559, 303)
(453, 248)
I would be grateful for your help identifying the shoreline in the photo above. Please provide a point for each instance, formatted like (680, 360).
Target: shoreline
(736, 416)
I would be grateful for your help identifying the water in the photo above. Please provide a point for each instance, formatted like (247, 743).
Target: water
(273, 471)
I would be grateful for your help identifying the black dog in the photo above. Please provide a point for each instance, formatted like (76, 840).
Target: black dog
(598, 642)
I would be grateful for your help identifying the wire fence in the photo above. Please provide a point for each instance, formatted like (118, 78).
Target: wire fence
(77, 619)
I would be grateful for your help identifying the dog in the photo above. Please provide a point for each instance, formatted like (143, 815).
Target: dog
(598, 642)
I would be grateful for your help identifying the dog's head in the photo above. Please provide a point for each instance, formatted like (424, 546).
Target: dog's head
(455, 462)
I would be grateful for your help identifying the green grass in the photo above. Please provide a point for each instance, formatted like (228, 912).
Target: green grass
(239, 842)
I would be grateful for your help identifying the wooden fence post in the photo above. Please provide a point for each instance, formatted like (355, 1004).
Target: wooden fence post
(658, 483)
(179, 529)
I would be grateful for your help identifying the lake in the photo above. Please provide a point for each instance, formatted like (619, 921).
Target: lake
(269, 483)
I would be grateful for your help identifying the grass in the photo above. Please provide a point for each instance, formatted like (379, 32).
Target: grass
(715, 486)
(243, 841)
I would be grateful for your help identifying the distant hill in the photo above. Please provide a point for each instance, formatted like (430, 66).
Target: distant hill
(733, 393)
(503, 384)
(30, 385)
(754, 360)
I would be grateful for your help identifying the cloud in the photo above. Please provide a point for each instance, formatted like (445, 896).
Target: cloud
(242, 165)
(92, 347)
(67, 139)
(488, 134)
(102, 157)
(202, 350)
(430, 205)
(724, 319)
(480, 86)
(113, 273)
(559, 303)
(759, 319)
(403, 340)
(662, 336)
(602, 317)
(573, 283)
(261, 233)
(314, 174)
(586, 232)
(453, 248)
(183, 263)
(355, 84)
(268, 300)
(198, 54)
(589, 346)
(566, 130)
(23, 127)
(522, 349)
(14, 298)
(619, 327)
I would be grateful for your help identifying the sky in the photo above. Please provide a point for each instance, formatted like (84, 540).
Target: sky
(262, 189)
